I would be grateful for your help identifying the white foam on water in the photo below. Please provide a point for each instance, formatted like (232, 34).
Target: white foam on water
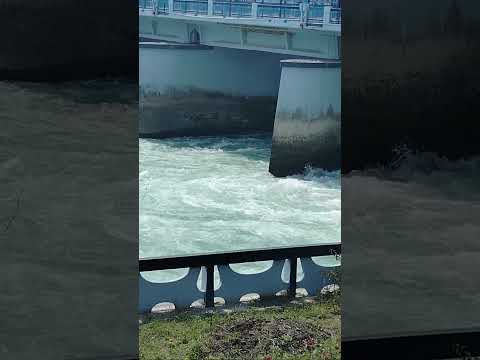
(215, 194)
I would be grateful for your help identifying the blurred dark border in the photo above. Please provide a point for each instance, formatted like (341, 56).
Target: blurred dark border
(459, 344)
(69, 148)
(51, 40)
(410, 78)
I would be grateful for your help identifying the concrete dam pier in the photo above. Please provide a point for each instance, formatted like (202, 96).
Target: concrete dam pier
(205, 70)
(190, 89)
(307, 121)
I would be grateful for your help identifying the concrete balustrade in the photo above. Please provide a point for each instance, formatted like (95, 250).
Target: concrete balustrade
(231, 285)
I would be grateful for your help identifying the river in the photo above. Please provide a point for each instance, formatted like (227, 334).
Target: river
(215, 194)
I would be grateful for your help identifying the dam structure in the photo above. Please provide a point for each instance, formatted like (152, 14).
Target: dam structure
(209, 67)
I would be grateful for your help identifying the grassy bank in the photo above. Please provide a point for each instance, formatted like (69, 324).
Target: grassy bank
(303, 331)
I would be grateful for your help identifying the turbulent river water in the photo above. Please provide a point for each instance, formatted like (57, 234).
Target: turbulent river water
(215, 194)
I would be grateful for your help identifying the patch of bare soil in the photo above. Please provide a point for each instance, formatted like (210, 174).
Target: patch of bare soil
(247, 338)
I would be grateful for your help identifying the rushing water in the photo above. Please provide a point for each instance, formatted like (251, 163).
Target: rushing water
(215, 194)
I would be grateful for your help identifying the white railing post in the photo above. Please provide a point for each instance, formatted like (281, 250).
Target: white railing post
(210, 7)
(303, 14)
(170, 7)
(254, 10)
(326, 13)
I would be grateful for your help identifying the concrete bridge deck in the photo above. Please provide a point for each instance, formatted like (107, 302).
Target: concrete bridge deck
(289, 27)
(274, 13)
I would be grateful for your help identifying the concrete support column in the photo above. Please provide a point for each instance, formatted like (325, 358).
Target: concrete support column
(170, 6)
(188, 90)
(307, 121)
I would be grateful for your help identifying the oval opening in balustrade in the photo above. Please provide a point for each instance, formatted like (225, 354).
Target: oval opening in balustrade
(248, 268)
(202, 279)
(299, 293)
(250, 297)
(200, 303)
(286, 271)
(329, 289)
(165, 276)
(163, 307)
(327, 261)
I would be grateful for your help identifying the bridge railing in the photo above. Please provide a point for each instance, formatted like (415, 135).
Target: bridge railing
(335, 16)
(195, 7)
(161, 7)
(280, 11)
(145, 4)
(210, 275)
(232, 8)
(316, 14)
(312, 13)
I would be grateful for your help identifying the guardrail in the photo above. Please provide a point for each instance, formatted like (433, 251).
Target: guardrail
(335, 16)
(231, 285)
(232, 8)
(146, 4)
(196, 7)
(161, 7)
(310, 13)
(316, 15)
(280, 11)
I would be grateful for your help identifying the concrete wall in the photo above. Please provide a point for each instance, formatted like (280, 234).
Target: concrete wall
(313, 275)
(200, 90)
(307, 121)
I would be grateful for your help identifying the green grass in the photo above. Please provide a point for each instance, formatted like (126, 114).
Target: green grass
(303, 332)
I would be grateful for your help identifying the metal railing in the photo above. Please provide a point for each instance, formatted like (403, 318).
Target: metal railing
(335, 16)
(316, 14)
(278, 10)
(196, 7)
(232, 8)
(311, 13)
(209, 261)
(161, 7)
(146, 4)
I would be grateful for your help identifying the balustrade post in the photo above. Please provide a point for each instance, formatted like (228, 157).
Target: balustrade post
(209, 291)
(326, 13)
(292, 286)
(254, 10)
